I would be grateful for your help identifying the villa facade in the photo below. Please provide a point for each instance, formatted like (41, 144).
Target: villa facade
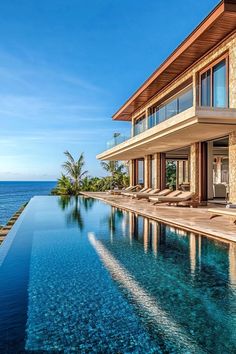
(186, 112)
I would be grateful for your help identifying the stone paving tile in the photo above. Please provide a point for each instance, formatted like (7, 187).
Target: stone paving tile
(195, 219)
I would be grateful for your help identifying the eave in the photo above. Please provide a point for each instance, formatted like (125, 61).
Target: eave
(216, 26)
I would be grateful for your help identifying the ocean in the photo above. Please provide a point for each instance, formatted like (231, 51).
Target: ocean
(14, 194)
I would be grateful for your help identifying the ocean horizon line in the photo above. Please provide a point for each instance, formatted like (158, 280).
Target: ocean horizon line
(28, 181)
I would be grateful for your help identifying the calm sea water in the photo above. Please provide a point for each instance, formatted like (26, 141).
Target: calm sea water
(14, 194)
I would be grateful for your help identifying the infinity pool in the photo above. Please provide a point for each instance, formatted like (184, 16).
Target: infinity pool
(79, 276)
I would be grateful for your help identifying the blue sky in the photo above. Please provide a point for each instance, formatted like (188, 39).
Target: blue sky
(66, 67)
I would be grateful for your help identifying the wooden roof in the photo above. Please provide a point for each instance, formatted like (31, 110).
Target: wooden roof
(213, 29)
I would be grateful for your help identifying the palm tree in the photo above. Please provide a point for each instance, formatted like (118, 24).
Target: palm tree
(73, 214)
(117, 175)
(64, 186)
(74, 170)
(112, 167)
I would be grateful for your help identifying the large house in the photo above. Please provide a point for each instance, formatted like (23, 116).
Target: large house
(186, 112)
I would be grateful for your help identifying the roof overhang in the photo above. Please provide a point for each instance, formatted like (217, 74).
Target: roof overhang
(212, 30)
(184, 129)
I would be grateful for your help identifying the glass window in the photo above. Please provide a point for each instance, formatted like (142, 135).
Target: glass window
(219, 85)
(171, 108)
(140, 172)
(161, 114)
(206, 88)
(151, 120)
(213, 82)
(185, 100)
(139, 125)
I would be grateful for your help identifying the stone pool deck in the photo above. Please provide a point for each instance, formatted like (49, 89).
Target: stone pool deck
(196, 220)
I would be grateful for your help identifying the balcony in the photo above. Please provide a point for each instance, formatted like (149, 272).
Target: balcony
(168, 109)
(191, 125)
(116, 140)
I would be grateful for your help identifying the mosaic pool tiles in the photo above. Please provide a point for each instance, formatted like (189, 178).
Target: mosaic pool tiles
(73, 304)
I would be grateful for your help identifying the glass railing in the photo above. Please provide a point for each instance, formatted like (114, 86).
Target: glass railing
(167, 110)
(116, 141)
(140, 127)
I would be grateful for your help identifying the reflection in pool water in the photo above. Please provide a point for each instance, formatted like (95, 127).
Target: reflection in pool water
(81, 276)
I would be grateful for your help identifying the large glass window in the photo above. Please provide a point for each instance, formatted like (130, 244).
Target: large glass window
(219, 85)
(214, 90)
(206, 88)
(140, 176)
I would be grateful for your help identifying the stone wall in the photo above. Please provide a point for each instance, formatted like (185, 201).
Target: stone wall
(194, 168)
(232, 167)
(232, 74)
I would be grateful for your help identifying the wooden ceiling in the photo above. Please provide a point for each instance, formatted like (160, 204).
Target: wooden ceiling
(215, 27)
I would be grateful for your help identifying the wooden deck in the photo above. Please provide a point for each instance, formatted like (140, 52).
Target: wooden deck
(196, 220)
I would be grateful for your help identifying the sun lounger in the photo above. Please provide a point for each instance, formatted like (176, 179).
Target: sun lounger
(146, 194)
(164, 192)
(131, 193)
(118, 191)
(223, 212)
(121, 191)
(159, 198)
(176, 198)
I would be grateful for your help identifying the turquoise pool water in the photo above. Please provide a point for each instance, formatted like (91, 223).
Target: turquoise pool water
(78, 276)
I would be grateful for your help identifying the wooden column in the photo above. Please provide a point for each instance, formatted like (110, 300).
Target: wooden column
(147, 171)
(186, 171)
(180, 173)
(163, 170)
(177, 174)
(203, 183)
(131, 172)
(210, 170)
(157, 170)
(198, 171)
(194, 169)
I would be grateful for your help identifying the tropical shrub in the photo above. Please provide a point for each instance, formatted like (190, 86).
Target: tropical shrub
(76, 180)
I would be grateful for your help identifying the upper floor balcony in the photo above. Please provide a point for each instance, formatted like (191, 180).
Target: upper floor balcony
(164, 111)
(195, 113)
(192, 125)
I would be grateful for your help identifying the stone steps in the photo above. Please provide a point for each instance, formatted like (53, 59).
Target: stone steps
(6, 228)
